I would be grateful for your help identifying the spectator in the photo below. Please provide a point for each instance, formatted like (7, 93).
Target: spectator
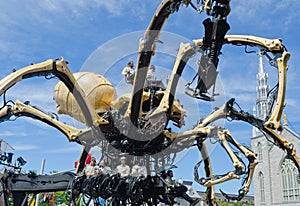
(123, 169)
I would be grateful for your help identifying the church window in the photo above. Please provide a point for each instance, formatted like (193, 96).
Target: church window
(261, 187)
(290, 187)
(259, 149)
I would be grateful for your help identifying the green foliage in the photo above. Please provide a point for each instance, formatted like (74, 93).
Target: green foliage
(220, 203)
(239, 203)
(223, 204)
(61, 197)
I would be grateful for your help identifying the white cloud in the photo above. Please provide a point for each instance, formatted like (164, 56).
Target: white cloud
(79, 7)
(12, 133)
(252, 9)
(72, 148)
(39, 92)
(25, 147)
(266, 15)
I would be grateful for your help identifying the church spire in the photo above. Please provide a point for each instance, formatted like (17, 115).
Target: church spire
(262, 89)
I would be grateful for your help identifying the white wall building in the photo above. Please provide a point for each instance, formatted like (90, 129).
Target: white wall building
(275, 177)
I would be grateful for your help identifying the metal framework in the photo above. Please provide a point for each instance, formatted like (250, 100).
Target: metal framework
(138, 125)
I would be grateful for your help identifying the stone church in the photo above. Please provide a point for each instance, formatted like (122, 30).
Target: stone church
(275, 177)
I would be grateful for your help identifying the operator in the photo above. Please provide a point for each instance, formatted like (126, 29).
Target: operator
(123, 169)
(139, 169)
(150, 73)
(177, 190)
(103, 168)
(129, 72)
(93, 169)
(169, 178)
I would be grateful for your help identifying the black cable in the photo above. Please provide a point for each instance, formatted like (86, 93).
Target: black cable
(267, 137)
(248, 52)
(4, 99)
(289, 123)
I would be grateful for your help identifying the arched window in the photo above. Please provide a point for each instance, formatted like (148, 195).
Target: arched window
(290, 187)
(259, 149)
(261, 187)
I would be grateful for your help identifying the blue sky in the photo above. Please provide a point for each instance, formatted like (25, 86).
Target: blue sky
(76, 30)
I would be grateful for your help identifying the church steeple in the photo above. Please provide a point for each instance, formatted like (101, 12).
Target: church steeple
(262, 89)
(262, 107)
